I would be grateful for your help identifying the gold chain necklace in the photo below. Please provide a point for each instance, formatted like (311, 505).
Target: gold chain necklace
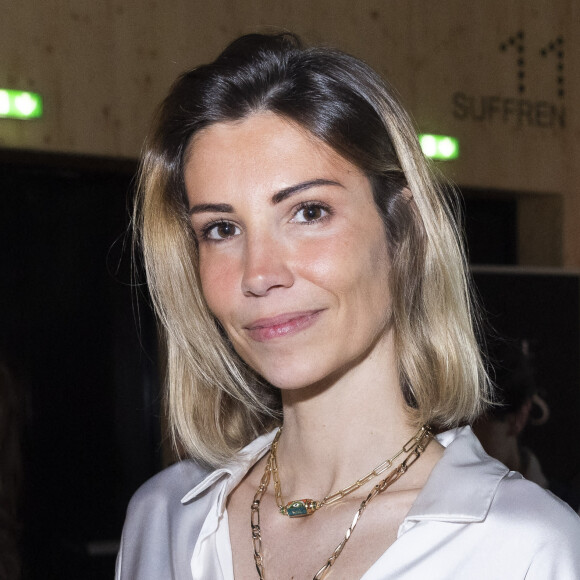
(305, 507)
(414, 449)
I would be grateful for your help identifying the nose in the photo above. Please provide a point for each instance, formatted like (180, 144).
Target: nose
(265, 266)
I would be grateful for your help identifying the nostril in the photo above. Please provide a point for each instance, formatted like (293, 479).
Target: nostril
(266, 271)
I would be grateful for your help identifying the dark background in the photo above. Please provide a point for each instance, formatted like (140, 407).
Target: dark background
(80, 340)
(84, 368)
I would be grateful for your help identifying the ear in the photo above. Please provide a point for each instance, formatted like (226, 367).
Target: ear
(519, 419)
(545, 410)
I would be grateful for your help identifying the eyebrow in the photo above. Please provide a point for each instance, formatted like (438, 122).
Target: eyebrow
(288, 191)
(217, 207)
(276, 198)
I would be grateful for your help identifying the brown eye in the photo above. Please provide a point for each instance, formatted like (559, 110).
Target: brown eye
(311, 213)
(221, 231)
(225, 230)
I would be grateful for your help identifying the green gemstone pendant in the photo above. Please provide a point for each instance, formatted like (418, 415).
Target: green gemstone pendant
(300, 508)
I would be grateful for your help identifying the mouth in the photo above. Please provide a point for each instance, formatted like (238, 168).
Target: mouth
(265, 329)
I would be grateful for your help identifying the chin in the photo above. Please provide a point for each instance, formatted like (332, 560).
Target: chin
(296, 374)
(292, 375)
(289, 379)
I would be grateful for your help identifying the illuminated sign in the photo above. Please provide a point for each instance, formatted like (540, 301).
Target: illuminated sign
(441, 147)
(20, 104)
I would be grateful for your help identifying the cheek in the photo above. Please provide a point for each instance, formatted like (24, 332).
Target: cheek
(217, 284)
(317, 261)
(346, 264)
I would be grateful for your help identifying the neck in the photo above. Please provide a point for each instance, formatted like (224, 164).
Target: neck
(337, 432)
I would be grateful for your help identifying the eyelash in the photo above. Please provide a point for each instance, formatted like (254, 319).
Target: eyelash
(208, 228)
(310, 205)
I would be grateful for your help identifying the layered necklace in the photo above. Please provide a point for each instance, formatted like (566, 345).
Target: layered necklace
(305, 507)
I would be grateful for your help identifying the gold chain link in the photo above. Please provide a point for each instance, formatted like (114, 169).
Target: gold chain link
(338, 495)
(414, 448)
(255, 520)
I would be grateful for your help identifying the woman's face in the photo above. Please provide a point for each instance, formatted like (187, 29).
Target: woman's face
(293, 255)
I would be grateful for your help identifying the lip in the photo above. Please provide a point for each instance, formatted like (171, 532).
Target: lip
(286, 324)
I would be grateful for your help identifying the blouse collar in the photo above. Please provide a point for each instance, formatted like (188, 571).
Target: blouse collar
(234, 471)
(460, 488)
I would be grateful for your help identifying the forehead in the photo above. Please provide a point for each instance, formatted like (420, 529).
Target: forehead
(262, 151)
(264, 131)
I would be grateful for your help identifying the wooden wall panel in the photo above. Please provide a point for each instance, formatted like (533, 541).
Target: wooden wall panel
(103, 66)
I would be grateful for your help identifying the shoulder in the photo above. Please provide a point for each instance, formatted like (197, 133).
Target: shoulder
(157, 503)
(542, 525)
(523, 502)
(160, 531)
(535, 527)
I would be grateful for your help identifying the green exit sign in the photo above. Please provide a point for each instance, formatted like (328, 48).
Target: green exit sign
(20, 104)
(440, 147)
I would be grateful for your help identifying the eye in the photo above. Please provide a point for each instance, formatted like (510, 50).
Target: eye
(311, 212)
(218, 231)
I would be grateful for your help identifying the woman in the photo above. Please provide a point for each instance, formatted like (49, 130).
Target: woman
(307, 274)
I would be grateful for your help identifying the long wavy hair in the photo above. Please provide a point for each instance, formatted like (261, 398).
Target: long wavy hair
(216, 403)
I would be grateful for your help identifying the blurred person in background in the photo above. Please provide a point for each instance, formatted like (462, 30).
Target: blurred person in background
(519, 404)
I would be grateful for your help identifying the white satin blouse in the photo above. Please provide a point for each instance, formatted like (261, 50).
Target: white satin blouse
(473, 520)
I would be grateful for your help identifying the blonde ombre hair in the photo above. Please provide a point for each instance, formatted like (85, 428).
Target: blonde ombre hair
(216, 403)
